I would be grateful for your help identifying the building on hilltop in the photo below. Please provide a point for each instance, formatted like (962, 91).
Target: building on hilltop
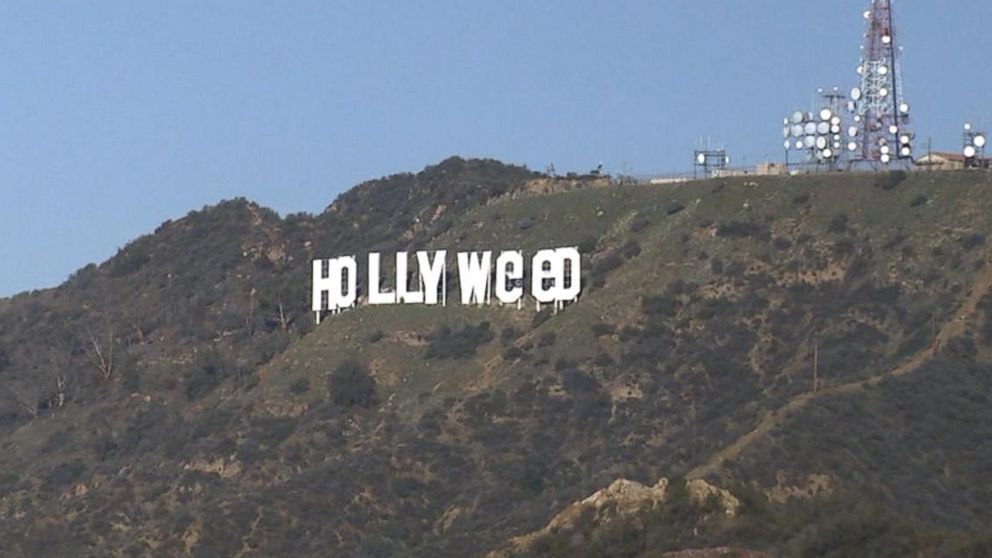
(942, 160)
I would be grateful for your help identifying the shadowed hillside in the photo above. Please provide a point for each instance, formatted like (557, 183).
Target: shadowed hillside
(817, 346)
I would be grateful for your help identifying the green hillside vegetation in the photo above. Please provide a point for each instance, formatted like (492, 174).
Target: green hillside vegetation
(227, 425)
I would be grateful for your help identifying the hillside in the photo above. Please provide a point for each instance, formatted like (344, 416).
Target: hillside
(226, 425)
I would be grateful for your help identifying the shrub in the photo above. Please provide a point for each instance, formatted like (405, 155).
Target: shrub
(299, 387)
(208, 370)
(508, 335)
(631, 249)
(972, 241)
(659, 305)
(838, 224)
(512, 352)
(890, 180)
(541, 317)
(351, 385)
(602, 329)
(445, 343)
(128, 261)
(743, 229)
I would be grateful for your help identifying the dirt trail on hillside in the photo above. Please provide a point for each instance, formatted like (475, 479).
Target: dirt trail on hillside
(955, 326)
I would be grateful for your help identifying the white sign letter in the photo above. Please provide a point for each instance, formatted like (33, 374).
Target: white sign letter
(509, 269)
(543, 273)
(473, 276)
(376, 297)
(572, 264)
(404, 296)
(430, 274)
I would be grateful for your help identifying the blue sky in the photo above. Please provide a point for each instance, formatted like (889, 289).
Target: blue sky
(115, 116)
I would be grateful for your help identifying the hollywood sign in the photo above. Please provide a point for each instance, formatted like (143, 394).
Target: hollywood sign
(555, 278)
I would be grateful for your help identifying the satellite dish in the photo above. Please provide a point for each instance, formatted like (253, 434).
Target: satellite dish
(788, 144)
(828, 153)
(967, 127)
(883, 70)
(835, 129)
(701, 159)
(837, 145)
(887, 39)
(867, 14)
(826, 115)
(856, 93)
(821, 142)
(852, 131)
(835, 121)
(885, 158)
(852, 146)
(809, 141)
(893, 129)
(970, 151)
(797, 131)
(979, 141)
(810, 128)
(857, 118)
(836, 137)
(885, 150)
(786, 132)
(906, 151)
(904, 139)
(851, 107)
(904, 108)
(883, 92)
(799, 144)
(823, 128)
(797, 117)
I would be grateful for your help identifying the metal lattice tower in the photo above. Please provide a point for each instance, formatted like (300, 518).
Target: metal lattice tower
(881, 133)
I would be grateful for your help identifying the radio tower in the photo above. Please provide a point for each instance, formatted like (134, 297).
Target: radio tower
(881, 114)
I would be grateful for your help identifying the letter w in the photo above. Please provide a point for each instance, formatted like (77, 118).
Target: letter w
(473, 276)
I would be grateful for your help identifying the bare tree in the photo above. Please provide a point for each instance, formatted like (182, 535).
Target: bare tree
(60, 391)
(283, 319)
(102, 355)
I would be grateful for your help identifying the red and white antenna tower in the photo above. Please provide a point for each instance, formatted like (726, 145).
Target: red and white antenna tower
(880, 133)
